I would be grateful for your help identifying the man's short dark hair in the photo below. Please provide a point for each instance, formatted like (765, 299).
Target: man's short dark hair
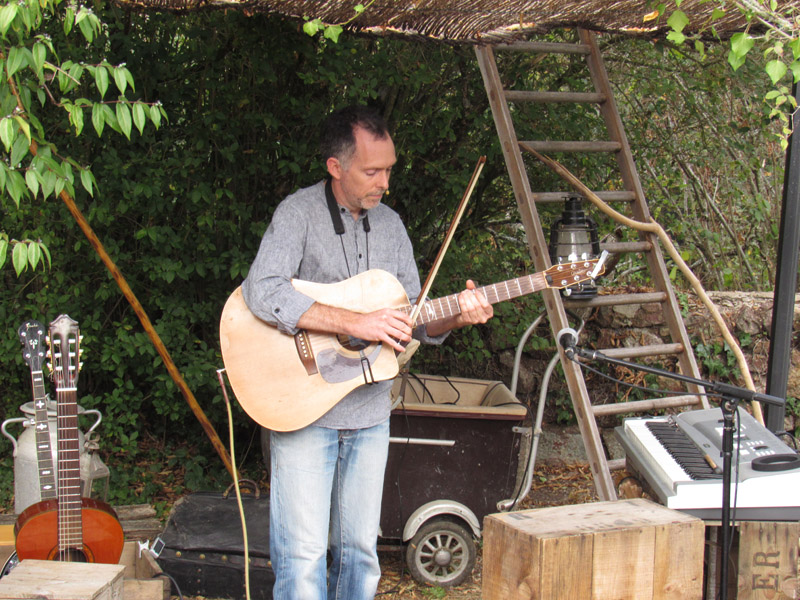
(338, 139)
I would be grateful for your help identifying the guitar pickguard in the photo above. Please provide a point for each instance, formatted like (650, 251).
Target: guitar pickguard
(337, 367)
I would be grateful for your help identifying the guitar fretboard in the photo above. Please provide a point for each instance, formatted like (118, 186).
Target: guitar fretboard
(44, 456)
(447, 306)
(70, 527)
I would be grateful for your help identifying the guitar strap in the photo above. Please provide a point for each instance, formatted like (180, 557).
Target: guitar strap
(338, 228)
(338, 225)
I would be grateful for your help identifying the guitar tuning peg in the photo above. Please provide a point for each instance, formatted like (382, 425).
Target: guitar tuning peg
(567, 291)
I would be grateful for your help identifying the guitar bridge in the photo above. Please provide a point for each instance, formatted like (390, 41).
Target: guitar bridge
(305, 353)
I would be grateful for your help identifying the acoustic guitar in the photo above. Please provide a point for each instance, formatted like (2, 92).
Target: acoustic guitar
(69, 527)
(286, 382)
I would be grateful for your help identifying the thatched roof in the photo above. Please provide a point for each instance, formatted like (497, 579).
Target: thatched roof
(474, 20)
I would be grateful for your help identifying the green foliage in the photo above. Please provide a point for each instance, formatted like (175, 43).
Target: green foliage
(45, 94)
(778, 37)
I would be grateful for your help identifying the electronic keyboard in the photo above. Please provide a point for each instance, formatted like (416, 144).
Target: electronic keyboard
(679, 460)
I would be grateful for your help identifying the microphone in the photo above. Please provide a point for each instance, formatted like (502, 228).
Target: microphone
(568, 340)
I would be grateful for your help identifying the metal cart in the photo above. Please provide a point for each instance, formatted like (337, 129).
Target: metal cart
(458, 452)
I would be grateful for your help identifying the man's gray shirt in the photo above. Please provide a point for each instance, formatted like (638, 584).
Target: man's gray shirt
(300, 243)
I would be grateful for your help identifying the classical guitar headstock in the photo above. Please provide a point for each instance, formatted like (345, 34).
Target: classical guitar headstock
(31, 334)
(566, 275)
(65, 352)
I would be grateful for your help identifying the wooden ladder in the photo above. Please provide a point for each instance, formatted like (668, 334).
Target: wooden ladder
(631, 197)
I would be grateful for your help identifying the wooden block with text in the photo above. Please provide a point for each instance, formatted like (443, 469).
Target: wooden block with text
(626, 549)
(768, 560)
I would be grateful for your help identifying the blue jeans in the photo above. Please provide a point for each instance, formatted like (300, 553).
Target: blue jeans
(326, 485)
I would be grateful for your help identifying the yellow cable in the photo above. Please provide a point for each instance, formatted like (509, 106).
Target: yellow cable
(235, 474)
(653, 227)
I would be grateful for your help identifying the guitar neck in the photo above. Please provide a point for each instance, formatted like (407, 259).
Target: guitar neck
(70, 529)
(44, 455)
(447, 306)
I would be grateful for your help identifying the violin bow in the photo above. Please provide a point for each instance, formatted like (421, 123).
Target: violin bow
(450, 233)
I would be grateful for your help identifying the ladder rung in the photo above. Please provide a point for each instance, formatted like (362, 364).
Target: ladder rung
(528, 96)
(622, 247)
(641, 406)
(617, 464)
(640, 351)
(547, 146)
(614, 196)
(549, 47)
(617, 299)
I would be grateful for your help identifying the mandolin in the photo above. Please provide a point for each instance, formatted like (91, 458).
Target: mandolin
(31, 334)
(68, 528)
(286, 382)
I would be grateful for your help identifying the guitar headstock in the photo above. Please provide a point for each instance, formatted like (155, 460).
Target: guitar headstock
(566, 275)
(31, 334)
(65, 352)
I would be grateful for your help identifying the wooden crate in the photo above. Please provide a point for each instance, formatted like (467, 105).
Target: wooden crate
(139, 582)
(138, 576)
(63, 581)
(627, 549)
(764, 557)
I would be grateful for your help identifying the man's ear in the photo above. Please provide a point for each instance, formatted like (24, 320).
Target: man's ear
(334, 167)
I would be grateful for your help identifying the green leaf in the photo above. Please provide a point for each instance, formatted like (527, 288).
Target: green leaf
(795, 68)
(16, 58)
(124, 119)
(3, 250)
(139, 117)
(741, 44)
(86, 181)
(120, 79)
(98, 122)
(19, 257)
(795, 47)
(39, 54)
(734, 60)
(34, 254)
(155, 115)
(15, 186)
(24, 126)
(101, 80)
(86, 28)
(49, 182)
(76, 118)
(7, 132)
(678, 20)
(7, 14)
(332, 32)
(776, 69)
(19, 150)
(32, 182)
(312, 27)
(676, 37)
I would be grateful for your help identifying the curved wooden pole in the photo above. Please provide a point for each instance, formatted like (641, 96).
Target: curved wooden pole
(149, 330)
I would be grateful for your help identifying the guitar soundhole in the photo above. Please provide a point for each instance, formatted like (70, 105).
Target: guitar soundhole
(351, 343)
(72, 555)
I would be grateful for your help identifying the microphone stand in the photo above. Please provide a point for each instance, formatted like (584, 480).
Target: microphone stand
(731, 395)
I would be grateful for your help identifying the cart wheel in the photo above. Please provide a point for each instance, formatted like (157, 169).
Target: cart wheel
(441, 553)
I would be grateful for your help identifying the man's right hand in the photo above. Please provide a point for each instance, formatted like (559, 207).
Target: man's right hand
(387, 325)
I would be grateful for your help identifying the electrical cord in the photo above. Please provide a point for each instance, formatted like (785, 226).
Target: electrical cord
(175, 585)
(236, 485)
